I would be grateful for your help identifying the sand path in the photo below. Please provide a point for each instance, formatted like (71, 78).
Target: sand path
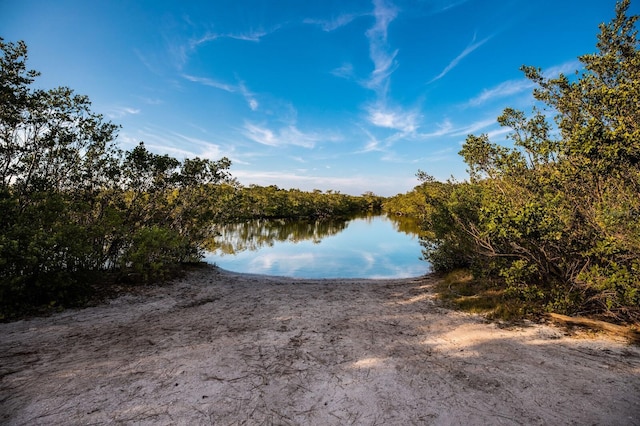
(224, 348)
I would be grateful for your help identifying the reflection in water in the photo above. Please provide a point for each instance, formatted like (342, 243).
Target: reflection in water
(252, 235)
(363, 247)
(405, 225)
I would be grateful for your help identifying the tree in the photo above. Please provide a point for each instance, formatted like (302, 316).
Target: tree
(54, 153)
(72, 204)
(558, 219)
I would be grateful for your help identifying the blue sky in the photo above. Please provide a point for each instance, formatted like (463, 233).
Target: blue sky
(352, 96)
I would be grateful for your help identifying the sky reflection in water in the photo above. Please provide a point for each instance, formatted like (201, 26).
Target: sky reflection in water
(372, 247)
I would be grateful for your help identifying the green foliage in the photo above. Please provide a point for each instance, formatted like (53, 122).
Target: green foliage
(72, 204)
(558, 220)
(260, 202)
(153, 248)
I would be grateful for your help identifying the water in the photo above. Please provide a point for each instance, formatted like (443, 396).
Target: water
(366, 247)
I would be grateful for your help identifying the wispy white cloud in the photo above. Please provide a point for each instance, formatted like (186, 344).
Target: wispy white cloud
(444, 5)
(121, 111)
(253, 35)
(514, 87)
(147, 62)
(384, 13)
(441, 155)
(287, 135)
(171, 150)
(241, 88)
(333, 24)
(566, 68)
(205, 148)
(383, 58)
(175, 143)
(445, 128)
(151, 101)
(507, 88)
(380, 113)
(373, 144)
(343, 71)
(498, 132)
(473, 127)
(261, 135)
(128, 140)
(396, 119)
(181, 51)
(385, 65)
(253, 104)
(210, 82)
(468, 50)
(293, 136)
(248, 96)
(393, 157)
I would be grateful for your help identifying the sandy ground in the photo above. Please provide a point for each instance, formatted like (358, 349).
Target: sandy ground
(224, 348)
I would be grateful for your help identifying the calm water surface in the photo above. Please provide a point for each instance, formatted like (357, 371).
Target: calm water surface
(367, 247)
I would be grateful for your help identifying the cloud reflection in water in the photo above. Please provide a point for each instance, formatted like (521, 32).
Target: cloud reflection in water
(367, 247)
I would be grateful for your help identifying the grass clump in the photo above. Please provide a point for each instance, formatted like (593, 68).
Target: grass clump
(461, 290)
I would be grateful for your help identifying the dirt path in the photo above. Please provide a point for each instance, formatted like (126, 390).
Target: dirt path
(224, 348)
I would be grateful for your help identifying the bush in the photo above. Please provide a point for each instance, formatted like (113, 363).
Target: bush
(557, 221)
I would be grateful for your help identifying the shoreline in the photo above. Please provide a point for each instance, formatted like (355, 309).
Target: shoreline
(220, 346)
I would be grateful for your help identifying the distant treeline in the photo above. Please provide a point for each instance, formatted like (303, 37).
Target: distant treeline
(271, 202)
(554, 220)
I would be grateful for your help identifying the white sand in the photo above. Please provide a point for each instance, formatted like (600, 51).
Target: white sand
(225, 348)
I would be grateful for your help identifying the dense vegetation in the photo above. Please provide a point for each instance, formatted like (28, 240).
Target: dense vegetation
(271, 202)
(74, 208)
(72, 203)
(554, 219)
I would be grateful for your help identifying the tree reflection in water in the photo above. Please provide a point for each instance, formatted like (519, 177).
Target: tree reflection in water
(252, 235)
(255, 234)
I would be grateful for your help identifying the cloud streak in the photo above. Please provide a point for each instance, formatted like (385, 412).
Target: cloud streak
(177, 144)
(446, 129)
(248, 96)
(241, 88)
(473, 127)
(507, 88)
(288, 135)
(253, 36)
(514, 87)
(383, 60)
(339, 21)
(209, 82)
(119, 112)
(442, 6)
(343, 71)
(182, 51)
(373, 144)
(467, 51)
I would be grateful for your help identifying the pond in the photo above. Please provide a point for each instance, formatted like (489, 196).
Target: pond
(364, 247)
